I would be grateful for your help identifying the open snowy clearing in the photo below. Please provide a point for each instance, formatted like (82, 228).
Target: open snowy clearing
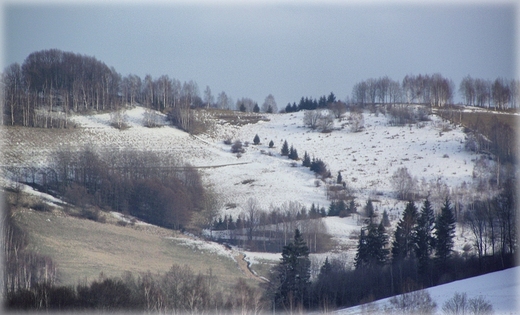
(501, 289)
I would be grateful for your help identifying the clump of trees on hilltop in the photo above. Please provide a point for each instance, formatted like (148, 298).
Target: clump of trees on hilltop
(52, 84)
(428, 89)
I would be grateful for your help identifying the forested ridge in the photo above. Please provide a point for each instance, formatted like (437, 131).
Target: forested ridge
(52, 84)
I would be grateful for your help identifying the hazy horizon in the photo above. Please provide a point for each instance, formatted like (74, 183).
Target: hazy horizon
(288, 50)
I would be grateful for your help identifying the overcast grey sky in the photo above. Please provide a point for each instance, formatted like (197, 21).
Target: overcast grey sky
(287, 50)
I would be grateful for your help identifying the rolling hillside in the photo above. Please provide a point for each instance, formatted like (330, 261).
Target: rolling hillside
(432, 151)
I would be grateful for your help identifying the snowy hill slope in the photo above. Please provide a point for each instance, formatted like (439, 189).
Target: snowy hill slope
(501, 289)
(366, 159)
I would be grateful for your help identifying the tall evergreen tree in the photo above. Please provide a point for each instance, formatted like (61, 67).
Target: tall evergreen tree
(293, 154)
(352, 206)
(339, 179)
(372, 247)
(331, 98)
(326, 269)
(314, 212)
(380, 243)
(369, 210)
(323, 212)
(444, 233)
(404, 236)
(293, 274)
(386, 219)
(424, 238)
(362, 258)
(271, 144)
(285, 149)
(256, 109)
(341, 208)
(332, 209)
(306, 160)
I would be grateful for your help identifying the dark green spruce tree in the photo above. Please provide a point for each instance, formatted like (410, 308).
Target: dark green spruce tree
(306, 162)
(369, 210)
(293, 154)
(325, 287)
(425, 240)
(404, 236)
(256, 140)
(352, 206)
(386, 219)
(372, 247)
(292, 276)
(362, 258)
(341, 208)
(444, 234)
(285, 149)
(332, 209)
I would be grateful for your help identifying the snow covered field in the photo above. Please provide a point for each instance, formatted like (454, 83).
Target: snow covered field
(366, 159)
(501, 289)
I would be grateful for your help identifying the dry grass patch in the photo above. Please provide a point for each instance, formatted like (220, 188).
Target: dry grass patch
(83, 249)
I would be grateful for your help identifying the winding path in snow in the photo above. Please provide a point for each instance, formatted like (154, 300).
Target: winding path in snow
(244, 266)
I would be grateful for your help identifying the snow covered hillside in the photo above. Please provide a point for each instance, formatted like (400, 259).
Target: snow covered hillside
(431, 152)
(501, 289)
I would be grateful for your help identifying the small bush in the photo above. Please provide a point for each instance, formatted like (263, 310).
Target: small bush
(416, 302)
(151, 119)
(237, 147)
(41, 206)
(93, 214)
(460, 304)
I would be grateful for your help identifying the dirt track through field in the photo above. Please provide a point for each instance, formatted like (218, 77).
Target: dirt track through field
(243, 265)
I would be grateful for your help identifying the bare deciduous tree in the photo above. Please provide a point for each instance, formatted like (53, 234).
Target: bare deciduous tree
(269, 105)
(118, 118)
(403, 183)
(224, 101)
(311, 118)
(337, 108)
(416, 302)
(318, 119)
(357, 121)
(459, 304)
(252, 214)
(151, 118)
(208, 97)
